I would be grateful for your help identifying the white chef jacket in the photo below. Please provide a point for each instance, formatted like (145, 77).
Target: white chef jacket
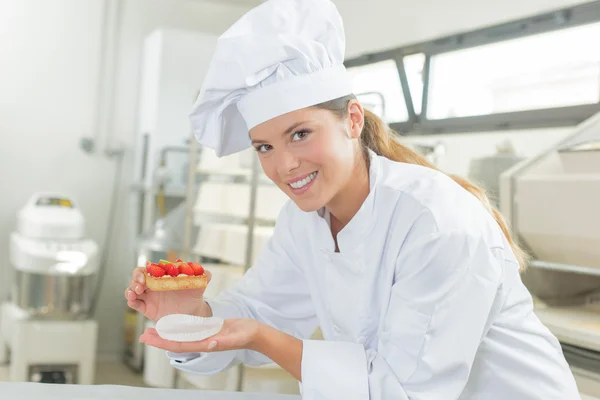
(423, 301)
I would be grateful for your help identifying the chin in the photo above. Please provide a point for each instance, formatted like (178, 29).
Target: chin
(308, 206)
(313, 202)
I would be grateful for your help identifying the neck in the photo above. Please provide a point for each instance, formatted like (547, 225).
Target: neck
(348, 201)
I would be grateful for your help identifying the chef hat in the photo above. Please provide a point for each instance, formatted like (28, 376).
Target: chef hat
(279, 57)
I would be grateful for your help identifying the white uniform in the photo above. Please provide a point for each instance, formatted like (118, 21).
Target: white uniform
(424, 300)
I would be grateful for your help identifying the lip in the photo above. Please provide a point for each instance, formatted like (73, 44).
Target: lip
(299, 178)
(305, 188)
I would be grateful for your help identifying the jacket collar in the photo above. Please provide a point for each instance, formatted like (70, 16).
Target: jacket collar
(360, 225)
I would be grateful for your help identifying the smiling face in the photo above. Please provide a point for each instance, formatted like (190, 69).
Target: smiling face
(311, 154)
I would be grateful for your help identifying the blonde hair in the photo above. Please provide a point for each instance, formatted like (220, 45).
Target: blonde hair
(378, 137)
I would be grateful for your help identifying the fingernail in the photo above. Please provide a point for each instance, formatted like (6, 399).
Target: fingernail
(140, 279)
(137, 288)
(129, 292)
(212, 345)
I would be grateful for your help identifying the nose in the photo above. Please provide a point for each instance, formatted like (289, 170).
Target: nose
(287, 161)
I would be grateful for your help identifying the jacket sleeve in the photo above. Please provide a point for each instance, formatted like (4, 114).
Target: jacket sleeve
(444, 292)
(273, 291)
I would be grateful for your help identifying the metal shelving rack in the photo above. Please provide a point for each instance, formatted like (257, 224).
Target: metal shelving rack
(251, 177)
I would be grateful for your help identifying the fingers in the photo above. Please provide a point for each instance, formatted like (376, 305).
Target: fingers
(137, 305)
(134, 295)
(134, 290)
(139, 276)
(137, 286)
(208, 276)
(151, 338)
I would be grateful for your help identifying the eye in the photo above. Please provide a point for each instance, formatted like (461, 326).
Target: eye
(299, 135)
(263, 148)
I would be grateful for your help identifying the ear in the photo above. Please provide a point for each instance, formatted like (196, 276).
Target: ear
(356, 118)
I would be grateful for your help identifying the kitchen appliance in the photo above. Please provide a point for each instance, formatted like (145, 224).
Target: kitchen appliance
(45, 328)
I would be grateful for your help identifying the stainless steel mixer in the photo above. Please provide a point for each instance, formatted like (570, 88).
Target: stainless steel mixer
(46, 325)
(55, 266)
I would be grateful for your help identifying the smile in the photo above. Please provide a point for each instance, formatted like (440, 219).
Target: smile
(299, 184)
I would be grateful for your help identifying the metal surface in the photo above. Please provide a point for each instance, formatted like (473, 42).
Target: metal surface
(141, 196)
(57, 297)
(35, 391)
(544, 118)
(426, 83)
(133, 350)
(553, 282)
(520, 169)
(577, 269)
(162, 242)
(410, 107)
(486, 171)
(250, 240)
(252, 213)
(561, 284)
(158, 244)
(190, 197)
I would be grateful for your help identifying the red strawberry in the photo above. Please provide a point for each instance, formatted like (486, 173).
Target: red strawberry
(155, 271)
(178, 261)
(161, 266)
(172, 270)
(186, 269)
(198, 270)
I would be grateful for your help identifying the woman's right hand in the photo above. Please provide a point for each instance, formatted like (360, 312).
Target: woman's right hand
(155, 305)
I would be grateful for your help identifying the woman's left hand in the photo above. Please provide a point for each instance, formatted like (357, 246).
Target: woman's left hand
(235, 334)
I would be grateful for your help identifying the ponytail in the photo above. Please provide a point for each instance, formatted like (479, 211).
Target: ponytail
(377, 137)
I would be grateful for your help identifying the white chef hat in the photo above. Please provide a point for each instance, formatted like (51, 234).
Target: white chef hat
(279, 57)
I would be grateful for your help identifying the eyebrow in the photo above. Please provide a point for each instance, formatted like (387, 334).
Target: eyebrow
(286, 132)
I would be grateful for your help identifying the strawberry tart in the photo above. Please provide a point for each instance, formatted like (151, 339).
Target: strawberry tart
(179, 275)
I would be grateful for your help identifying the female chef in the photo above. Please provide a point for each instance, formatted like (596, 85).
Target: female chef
(411, 275)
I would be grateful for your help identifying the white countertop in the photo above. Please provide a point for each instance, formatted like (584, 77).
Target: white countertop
(39, 391)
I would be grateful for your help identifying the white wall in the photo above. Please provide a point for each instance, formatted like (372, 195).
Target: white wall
(368, 24)
(48, 76)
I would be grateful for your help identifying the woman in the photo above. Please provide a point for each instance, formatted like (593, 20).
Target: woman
(413, 280)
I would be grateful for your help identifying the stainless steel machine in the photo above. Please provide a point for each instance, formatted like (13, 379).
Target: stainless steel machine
(46, 328)
(486, 170)
(553, 204)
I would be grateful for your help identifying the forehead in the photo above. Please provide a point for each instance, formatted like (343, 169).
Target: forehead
(280, 124)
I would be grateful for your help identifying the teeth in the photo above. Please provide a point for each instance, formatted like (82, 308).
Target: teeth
(303, 182)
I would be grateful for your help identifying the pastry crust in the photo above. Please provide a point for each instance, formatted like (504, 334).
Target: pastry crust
(175, 282)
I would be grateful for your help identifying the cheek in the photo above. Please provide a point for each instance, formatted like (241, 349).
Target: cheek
(312, 154)
(338, 153)
(269, 167)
